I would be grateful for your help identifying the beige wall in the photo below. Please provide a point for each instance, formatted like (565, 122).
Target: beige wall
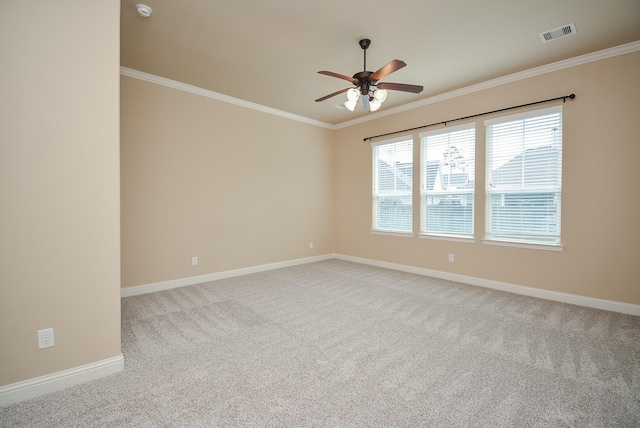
(59, 185)
(233, 186)
(240, 188)
(601, 206)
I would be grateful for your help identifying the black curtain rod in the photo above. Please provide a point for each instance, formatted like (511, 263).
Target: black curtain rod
(564, 99)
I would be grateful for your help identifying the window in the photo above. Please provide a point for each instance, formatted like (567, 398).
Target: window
(447, 181)
(393, 185)
(524, 177)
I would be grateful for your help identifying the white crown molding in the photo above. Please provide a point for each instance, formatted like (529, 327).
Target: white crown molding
(589, 302)
(36, 387)
(537, 71)
(151, 78)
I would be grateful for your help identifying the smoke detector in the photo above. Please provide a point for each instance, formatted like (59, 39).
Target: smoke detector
(558, 33)
(144, 10)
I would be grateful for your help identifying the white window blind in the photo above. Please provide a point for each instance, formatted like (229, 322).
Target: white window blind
(447, 181)
(524, 177)
(393, 185)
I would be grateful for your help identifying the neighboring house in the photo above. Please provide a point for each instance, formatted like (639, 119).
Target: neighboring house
(455, 181)
(436, 180)
(523, 192)
(398, 177)
(522, 170)
(395, 212)
(432, 172)
(449, 204)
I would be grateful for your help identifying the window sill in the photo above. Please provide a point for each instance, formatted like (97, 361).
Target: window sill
(392, 233)
(531, 246)
(447, 238)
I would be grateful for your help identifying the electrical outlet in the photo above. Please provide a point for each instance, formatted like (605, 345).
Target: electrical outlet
(450, 258)
(45, 338)
(194, 260)
(311, 244)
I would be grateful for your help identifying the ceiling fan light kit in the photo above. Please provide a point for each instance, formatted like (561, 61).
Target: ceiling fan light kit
(352, 99)
(367, 84)
(375, 99)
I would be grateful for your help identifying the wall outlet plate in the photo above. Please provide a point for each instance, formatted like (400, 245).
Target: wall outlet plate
(45, 338)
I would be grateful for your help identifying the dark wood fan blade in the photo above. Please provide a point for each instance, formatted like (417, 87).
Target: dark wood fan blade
(387, 69)
(339, 76)
(416, 89)
(333, 95)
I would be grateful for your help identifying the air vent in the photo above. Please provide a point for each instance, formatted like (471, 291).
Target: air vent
(558, 33)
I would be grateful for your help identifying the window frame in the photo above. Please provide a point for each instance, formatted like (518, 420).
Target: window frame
(531, 241)
(425, 193)
(376, 193)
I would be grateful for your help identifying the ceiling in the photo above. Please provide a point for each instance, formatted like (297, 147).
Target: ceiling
(270, 52)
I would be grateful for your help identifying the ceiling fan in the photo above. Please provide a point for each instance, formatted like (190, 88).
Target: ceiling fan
(367, 84)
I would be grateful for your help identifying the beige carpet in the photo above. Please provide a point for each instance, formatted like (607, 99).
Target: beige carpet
(340, 344)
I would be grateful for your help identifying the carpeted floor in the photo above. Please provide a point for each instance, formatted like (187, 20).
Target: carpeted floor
(340, 344)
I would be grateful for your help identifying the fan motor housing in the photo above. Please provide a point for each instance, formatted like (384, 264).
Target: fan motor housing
(364, 82)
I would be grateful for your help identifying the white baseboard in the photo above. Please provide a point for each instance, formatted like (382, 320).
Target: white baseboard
(590, 302)
(167, 285)
(36, 387)
(574, 299)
